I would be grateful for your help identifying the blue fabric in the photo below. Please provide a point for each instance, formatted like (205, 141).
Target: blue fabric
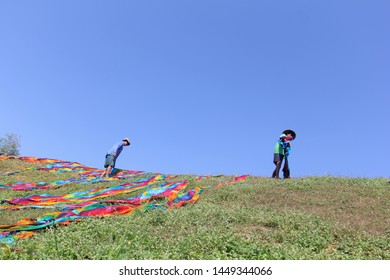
(286, 147)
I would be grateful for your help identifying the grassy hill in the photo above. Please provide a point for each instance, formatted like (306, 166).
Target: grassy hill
(259, 218)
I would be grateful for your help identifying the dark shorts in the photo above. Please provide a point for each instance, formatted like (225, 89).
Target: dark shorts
(110, 160)
(278, 157)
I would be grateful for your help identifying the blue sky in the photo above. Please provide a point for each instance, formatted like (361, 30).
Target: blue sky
(200, 87)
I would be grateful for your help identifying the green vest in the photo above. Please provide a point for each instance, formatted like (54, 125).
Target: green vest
(278, 149)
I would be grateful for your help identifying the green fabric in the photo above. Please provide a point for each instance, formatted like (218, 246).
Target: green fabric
(278, 149)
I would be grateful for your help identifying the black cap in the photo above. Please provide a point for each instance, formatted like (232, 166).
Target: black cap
(289, 131)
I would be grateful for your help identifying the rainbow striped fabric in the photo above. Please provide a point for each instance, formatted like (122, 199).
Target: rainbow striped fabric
(142, 194)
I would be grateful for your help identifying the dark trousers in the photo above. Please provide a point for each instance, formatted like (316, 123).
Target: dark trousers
(285, 170)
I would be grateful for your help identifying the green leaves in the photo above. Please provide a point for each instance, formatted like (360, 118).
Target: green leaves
(10, 144)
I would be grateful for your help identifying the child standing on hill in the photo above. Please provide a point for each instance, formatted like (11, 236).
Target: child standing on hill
(281, 151)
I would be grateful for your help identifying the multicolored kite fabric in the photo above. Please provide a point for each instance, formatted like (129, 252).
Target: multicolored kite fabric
(132, 191)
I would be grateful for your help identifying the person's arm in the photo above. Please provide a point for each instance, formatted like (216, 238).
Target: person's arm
(119, 147)
(115, 148)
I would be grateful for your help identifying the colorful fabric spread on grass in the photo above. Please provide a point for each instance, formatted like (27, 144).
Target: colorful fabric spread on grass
(83, 196)
(87, 175)
(154, 191)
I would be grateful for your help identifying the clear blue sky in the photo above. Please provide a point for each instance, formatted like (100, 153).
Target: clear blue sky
(200, 87)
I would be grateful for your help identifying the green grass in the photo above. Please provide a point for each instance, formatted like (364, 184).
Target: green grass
(302, 218)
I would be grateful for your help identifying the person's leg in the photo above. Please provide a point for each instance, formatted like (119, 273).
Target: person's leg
(274, 172)
(286, 169)
(108, 171)
(108, 164)
(278, 163)
(277, 169)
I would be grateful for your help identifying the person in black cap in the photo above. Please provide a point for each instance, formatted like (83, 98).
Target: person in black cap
(282, 151)
(112, 155)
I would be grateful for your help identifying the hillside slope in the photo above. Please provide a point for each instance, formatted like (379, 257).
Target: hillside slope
(52, 209)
